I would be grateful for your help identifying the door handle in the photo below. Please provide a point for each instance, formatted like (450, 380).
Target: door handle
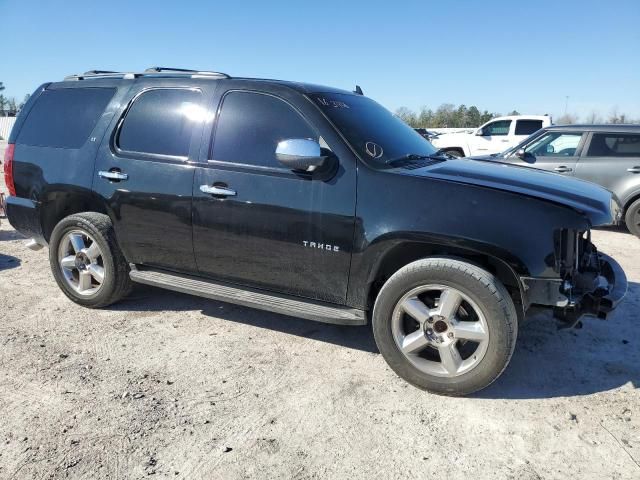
(113, 175)
(633, 170)
(563, 169)
(217, 190)
(504, 141)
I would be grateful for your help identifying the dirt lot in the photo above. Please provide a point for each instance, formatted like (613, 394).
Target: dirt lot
(180, 387)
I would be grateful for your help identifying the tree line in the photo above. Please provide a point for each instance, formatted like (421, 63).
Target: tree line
(448, 115)
(9, 107)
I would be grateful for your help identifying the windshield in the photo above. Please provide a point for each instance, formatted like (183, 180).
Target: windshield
(510, 151)
(374, 132)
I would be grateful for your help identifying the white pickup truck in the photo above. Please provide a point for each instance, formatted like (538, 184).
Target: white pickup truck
(495, 136)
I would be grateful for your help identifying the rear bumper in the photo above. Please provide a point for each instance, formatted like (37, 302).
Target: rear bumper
(24, 216)
(593, 293)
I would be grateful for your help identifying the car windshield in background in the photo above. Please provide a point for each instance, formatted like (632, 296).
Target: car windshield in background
(374, 132)
(512, 150)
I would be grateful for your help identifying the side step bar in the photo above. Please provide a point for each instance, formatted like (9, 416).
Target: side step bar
(249, 297)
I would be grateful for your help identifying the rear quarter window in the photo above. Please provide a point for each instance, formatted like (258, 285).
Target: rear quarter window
(64, 117)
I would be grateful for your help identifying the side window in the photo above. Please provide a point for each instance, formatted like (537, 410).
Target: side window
(501, 127)
(64, 117)
(161, 122)
(555, 144)
(614, 145)
(250, 125)
(527, 127)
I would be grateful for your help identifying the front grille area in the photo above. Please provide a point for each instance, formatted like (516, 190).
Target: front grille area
(574, 253)
(566, 251)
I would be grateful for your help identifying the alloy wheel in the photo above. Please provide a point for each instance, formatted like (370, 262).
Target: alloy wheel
(80, 260)
(440, 330)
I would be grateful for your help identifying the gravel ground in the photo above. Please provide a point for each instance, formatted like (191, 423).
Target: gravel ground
(180, 387)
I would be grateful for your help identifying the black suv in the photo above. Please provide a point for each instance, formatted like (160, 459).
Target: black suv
(307, 201)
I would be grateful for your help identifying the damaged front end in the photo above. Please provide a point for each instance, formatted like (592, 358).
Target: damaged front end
(590, 283)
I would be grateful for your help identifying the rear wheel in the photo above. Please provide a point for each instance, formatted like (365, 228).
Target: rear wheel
(445, 325)
(632, 218)
(87, 262)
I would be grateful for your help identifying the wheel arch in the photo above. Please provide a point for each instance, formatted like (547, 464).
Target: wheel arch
(406, 252)
(61, 204)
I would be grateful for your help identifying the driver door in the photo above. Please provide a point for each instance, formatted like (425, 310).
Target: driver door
(555, 151)
(271, 228)
(494, 137)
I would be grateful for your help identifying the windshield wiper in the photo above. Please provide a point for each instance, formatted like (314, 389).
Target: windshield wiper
(416, 156)
(441, 153)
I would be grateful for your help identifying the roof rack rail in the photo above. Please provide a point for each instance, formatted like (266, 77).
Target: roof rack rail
(101, 74)
(162, 71)
(185, 71)
(169, 69)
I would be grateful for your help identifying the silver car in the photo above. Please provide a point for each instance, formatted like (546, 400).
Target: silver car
(608, 155)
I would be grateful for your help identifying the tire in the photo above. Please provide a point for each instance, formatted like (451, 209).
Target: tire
(632, 218)
(454, 350)
(454, 153)
(86, 261)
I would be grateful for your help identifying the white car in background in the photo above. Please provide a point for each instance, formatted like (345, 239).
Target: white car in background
(495, 136)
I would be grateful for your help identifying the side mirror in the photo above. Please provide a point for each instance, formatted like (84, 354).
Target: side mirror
(480, 132)
(521, 154)
(300, 154)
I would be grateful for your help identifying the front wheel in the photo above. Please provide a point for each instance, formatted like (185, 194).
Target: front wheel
(445, 325)
(87, 262)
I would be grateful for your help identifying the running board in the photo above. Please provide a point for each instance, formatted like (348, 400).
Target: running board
(249, 297)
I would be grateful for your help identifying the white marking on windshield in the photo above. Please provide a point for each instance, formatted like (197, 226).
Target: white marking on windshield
(331, 103)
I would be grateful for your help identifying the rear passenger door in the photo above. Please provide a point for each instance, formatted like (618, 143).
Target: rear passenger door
(613, 161)
(144, 176)
(278, 230)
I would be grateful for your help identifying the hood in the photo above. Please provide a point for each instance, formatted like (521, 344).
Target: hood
(598, 204)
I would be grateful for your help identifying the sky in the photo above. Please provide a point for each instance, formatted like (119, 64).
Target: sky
(497, 55)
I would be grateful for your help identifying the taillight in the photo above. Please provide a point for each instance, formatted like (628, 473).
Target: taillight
(8, 169)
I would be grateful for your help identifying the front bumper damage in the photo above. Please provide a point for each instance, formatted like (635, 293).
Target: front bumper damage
(595, 290)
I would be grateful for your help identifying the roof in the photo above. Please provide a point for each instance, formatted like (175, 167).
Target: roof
(522, 117)
(611, 127)
(167, 72)
(299, 86)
